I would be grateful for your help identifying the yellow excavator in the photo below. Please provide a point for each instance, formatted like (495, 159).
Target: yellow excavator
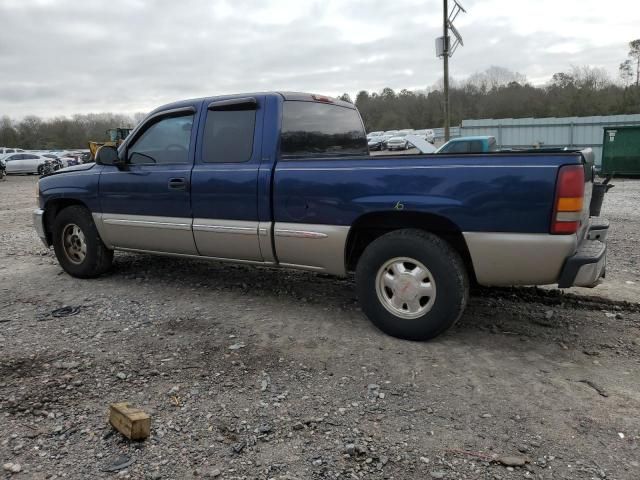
(116, 137)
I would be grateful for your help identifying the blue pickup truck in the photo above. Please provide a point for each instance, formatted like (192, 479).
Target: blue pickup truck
(286, 180)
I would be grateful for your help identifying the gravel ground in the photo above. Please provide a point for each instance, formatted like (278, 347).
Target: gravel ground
(253, 373)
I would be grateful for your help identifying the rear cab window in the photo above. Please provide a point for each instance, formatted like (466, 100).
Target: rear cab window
(318, 129)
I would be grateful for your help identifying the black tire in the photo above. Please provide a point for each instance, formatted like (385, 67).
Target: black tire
(447, 272)
(40, 169)
(97, 259)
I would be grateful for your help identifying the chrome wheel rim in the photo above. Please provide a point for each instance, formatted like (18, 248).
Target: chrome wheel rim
(405, 287)
(74, 244)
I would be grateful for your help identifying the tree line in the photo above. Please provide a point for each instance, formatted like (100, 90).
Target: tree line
(35, 133)
(498, 93)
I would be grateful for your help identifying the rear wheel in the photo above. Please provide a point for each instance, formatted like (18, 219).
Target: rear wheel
(40, 169)
(412, 284)
(78, 245)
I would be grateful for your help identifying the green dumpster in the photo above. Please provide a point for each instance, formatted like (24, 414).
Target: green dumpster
(621, 151)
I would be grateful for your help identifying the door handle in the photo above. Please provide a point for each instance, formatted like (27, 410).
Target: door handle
(177, 184)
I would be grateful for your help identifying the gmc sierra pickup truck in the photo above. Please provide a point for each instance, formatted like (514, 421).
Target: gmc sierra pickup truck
(286, 180)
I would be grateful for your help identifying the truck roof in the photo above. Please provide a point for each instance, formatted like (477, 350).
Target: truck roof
(300, 96)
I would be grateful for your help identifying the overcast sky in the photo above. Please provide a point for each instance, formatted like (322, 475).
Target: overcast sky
(78, 56)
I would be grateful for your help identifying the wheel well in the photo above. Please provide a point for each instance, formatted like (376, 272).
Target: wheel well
(53, 208)
(370, 226)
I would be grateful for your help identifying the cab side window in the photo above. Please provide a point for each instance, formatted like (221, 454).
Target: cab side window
(164, 142)
(228, 135)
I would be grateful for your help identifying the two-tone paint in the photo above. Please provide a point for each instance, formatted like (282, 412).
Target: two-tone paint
(300, 213)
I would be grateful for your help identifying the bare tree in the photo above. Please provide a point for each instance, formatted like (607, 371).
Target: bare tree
(590, 77)
(8, 133)
(138, 117)
(626, 72)
(634, 54)
(494, 77)
(562, 80)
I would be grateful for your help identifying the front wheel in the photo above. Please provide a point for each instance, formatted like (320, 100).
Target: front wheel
(412, 284)
(78, 245)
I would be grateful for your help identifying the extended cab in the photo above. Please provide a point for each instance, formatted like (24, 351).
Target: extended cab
(286, 179)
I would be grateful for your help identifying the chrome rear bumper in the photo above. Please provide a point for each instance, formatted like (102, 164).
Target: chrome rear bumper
(587, 266)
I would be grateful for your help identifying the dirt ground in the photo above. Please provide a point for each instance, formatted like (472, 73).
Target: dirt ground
(253, 373)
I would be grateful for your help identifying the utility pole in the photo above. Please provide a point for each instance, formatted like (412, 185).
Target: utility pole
(445, 59)
(444, 49)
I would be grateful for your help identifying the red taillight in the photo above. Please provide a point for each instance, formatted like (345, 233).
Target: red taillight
(567, 209)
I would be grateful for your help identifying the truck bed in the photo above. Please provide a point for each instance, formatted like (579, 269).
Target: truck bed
(498, 192)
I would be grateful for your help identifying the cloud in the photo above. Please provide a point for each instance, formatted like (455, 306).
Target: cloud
(64, 57)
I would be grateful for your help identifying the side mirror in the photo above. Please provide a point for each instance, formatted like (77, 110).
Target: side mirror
(108, 155)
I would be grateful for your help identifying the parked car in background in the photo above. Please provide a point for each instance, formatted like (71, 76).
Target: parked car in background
(428, 134)
(54, 163)
(25, 163)
(48, 155)
(6, 150)
(391, 133)
(86, 157)
(398, 142)
(70, 160)
(378, 142)
(373, 134)
(477, 144)
(59, 153)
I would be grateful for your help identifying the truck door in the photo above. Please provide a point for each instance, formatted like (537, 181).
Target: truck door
(224, 196)
(147, 204)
